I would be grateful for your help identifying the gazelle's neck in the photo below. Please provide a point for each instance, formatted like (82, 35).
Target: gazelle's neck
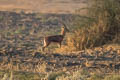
(63, 32)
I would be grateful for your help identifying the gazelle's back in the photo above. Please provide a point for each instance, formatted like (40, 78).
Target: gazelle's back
(55, 38)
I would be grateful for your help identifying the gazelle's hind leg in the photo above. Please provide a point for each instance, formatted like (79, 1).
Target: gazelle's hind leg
(45, 45)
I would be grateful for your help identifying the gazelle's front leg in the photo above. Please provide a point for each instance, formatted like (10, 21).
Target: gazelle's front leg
(59, 44)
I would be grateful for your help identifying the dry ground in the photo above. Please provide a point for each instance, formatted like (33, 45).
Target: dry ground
(103, 60)
(20, 39)
(43, 6)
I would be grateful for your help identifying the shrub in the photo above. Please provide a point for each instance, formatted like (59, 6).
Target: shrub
(100, 27)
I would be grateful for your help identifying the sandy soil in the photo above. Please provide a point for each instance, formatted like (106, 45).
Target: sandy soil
(43, 6)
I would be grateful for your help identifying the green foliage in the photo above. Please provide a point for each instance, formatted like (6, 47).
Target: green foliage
(112, 77)
(77, 75)
(1, 17)
(5, 75)
(96, 77)
(53, 76)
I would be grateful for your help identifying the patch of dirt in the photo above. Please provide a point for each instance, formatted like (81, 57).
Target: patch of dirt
(105, 61)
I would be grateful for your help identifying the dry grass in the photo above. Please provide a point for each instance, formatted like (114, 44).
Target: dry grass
(64, 66)
(21, 59)
(55, 6)
(102, 27)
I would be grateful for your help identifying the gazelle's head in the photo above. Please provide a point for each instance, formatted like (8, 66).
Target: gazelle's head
(64, 30)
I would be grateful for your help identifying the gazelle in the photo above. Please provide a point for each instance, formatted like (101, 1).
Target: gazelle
(55, 38)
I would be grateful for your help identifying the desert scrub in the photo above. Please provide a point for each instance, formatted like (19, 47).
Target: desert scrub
(100, 27)
(41, 68)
